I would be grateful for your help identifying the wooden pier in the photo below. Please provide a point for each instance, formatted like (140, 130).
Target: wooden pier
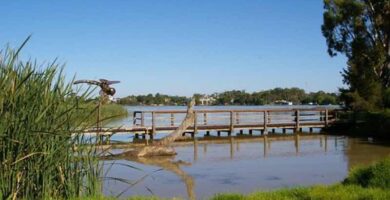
(149, 123)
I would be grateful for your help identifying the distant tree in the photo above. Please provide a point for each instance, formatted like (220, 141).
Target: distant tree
(360, 30)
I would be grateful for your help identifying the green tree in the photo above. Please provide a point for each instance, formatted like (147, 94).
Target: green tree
(360, 29)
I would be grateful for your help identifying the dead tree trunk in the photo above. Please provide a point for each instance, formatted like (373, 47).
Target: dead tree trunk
(162, 147)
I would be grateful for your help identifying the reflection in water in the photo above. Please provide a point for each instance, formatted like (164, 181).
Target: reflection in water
(195, 150)
(239, 165)
(365, 152)
(265, 144)
(231, 148)
(326, 143)
(167, 163)
(296, 144)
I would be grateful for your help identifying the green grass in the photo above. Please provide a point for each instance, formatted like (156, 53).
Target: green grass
(372, 182)
(347, 192)
(39, 112)
(113, 111)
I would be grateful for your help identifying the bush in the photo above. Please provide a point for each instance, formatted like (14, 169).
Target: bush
(377, 175)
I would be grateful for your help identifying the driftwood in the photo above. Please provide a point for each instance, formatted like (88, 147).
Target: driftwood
(162, 147)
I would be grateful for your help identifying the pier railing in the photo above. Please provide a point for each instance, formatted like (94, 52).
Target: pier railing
(229, 120)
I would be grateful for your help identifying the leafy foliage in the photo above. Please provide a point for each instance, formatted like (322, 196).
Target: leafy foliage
(360, 30)
(238, 97)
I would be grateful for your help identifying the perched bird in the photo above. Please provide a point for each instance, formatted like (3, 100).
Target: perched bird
(104, 85)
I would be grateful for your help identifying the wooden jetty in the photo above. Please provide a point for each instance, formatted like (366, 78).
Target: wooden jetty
(149, 123)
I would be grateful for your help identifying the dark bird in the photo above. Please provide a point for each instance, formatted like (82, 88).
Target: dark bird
(103, 84)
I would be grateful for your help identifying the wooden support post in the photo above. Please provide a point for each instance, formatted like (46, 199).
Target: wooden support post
(135, 118)
(153, 123)
(142, 119)
(231, 123)
(265, 121)
(204, 118)
(207, 133)
(297, 119)
(326, 118)
(172, 119)
(195, 123)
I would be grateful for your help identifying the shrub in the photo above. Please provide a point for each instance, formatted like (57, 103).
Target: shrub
(377, 175)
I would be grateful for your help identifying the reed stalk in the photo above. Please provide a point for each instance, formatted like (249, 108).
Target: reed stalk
(39, 112)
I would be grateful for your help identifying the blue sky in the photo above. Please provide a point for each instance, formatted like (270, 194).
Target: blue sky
(179, 47)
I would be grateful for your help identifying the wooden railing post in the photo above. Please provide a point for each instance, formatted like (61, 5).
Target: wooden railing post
(172, 119)
(326, 118)
(153, 123)
(231, 122)
(142, 119)
(265, 121)
(195, 123)
(297, 119)
(135, 118)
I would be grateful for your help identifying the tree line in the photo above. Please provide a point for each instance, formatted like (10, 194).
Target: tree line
(238, 97)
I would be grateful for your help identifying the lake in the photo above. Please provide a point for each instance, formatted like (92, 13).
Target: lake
(204, 168)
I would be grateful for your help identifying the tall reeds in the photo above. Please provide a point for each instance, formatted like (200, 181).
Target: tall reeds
(39, 114)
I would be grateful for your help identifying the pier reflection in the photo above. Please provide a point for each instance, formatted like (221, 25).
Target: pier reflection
(234, 162)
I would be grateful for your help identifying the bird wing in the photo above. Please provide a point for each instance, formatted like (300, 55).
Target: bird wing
(112, 82)
(93, 82)
(108, 82)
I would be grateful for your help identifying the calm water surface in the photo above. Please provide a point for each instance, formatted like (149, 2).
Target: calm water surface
(202, 169)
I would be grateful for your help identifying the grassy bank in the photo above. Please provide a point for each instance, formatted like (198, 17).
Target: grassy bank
(108, 113)
(113, 111)
(372, 182)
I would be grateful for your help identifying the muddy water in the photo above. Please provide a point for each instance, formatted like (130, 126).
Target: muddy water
(202, 169)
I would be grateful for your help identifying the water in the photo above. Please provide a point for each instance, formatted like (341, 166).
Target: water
(243, 165)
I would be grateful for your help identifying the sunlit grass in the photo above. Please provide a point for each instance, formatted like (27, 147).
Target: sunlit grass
(39, 111)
